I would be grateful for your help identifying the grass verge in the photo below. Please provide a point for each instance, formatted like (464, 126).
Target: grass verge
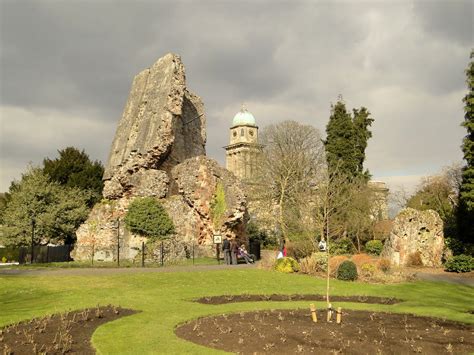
(165, 300)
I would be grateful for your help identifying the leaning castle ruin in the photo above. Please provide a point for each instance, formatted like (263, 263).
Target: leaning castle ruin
(159, 150)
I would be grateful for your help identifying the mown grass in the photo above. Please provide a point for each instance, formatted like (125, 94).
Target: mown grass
(165, 300)
(113, 264)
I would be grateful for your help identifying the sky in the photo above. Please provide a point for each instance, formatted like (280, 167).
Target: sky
(66, 68)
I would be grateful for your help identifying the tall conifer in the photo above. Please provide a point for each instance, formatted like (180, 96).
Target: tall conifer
(346, 140)
(466, 195)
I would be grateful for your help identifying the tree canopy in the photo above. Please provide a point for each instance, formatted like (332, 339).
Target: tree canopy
(346, 140)
(73, 168)
(57, 211)
(147, 217)
(291, 162)
(440, 193)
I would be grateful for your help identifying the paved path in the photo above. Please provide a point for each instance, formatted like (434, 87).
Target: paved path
(113, 271)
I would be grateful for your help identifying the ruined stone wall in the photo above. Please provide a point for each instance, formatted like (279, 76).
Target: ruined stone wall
(415, 233)
(159, 150)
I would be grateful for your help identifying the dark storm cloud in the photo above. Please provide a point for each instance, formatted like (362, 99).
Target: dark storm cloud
(66, 68)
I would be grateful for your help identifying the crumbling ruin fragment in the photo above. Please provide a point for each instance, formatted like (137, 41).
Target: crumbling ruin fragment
(159, 150)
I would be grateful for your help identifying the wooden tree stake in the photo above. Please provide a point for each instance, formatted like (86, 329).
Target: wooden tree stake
(329, 312)
(338, 315)
(313, 313)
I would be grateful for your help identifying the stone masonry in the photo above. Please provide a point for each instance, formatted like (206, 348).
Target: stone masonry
(415, 232)
(159, 150)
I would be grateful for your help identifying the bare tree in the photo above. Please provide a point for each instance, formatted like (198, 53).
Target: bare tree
(331, 196)
(291, 162)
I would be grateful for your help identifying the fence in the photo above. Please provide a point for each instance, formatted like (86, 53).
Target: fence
(167, 252)
(41, 254)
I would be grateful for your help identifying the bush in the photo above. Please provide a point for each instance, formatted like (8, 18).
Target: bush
(300, 249)
(347, 271)
(317, 262)
(286, 265)
(374, 247)
(147, 217)
(368, 270)
(384, 265)
(459, 263)
(334, 263)
(256, 234)
(414, 259)
(341, 246)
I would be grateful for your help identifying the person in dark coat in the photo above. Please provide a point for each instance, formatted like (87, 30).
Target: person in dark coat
(226, 250)
(234, 249)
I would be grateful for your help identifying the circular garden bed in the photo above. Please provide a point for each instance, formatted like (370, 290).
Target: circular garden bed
(360, 332)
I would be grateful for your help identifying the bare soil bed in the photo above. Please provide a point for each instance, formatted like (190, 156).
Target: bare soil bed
(276, 297)
(65, 333)
(361, 332)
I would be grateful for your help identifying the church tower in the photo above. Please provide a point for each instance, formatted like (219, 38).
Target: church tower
(243, 149)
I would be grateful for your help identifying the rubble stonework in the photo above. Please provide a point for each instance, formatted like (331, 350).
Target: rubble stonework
(414, 232)
(159, 150)
(162, 125)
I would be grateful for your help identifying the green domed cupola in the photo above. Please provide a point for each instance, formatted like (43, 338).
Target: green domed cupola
(243, 118)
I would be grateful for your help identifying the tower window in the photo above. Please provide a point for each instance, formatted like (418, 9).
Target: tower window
(241, 132)
(235, 134)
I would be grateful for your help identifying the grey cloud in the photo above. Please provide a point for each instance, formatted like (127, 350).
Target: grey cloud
(288, 59)
(452, 20)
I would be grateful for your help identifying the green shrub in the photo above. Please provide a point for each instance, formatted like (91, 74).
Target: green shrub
(287, 265)
(341, 246)
(347, 271)
(4, 260)
(459, 263)
(368, 270)
(257, 234)
(146, 216)
(374, 247)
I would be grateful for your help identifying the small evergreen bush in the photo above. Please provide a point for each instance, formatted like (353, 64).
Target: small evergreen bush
(347, 271)
(147, 217)
(341, 246)
(459, 263)
(287, 265)
(374, 247)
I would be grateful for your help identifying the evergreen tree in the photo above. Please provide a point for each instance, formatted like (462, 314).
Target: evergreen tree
(57, 211)
(74, 168)
(466, 196)
(341, 141)
(346, 140)
(362, 122)
(147, 217)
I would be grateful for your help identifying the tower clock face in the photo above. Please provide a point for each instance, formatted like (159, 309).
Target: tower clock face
(235, 134)
(251, 132)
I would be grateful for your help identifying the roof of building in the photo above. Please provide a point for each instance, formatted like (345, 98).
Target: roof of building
(243, 118)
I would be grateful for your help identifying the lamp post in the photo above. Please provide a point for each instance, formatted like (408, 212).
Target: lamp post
(118, 242)
(33, 222)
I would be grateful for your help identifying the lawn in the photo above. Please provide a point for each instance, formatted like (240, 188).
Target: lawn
(164, 300)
